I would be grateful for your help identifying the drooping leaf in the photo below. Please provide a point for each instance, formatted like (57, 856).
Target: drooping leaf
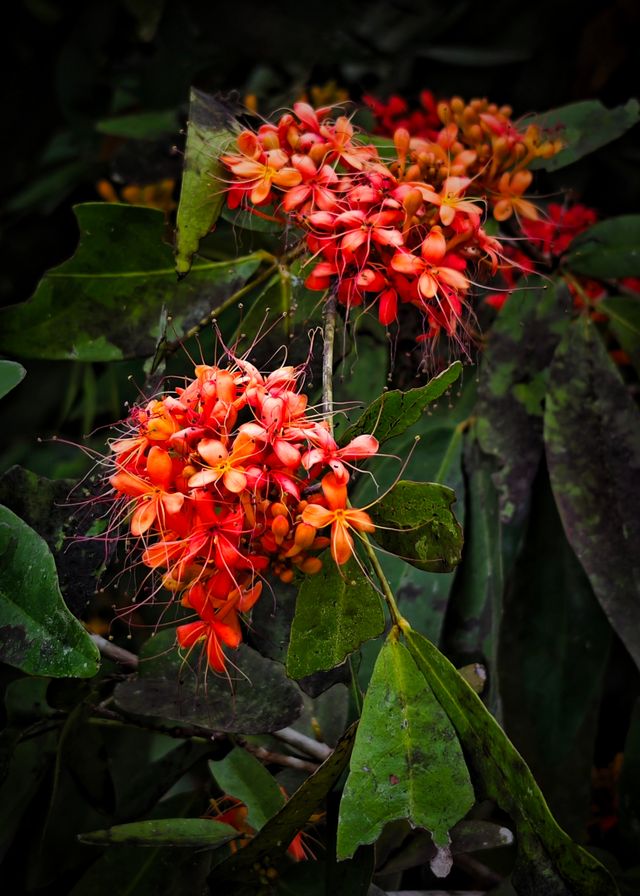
(394, 412)
(336, 611)
(38, 634)
(198, 833)
(553, 653)
(406, 762)
(592, 440)
(520, 347)
(548, 860)
(258, 699)
(105, 303)
(243, 776)
(609, 248)
(416, 523)
(11, 373)
(583, 127)
(202, 195)
(475, 604)
(624, 320)
(270, 844)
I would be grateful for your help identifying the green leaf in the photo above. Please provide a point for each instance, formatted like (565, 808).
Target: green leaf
(416, 523)
(198, 833)
(548, 860)
(475, 605)
(624, 321)
(142, 126)
(592, 439)
(394, 412)
(257, 699)
(202, 194)
(584, 127)
(274, 838)
(406, 761)
(553, 654)
(608, 249)
(512, 377)
(37, 632)
(105, 303)
(336, 611)
(11, 373)
(243, 776)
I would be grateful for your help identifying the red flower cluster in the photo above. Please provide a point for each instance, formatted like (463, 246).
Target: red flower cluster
(398, 231)
(236, 814)
(396, 113)
(213, 479)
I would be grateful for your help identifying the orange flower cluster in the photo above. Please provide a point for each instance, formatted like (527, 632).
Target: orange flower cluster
(386, 232)
(213, 480)
(235, 815)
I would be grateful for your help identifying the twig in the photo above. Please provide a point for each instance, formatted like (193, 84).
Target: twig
(304, 744)
(107, 717)
(115, 653)
(268, 756)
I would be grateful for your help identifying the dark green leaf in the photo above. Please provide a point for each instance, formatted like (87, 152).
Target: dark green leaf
(141, 126)
(416, 523)
(554, 648)
(105, 303)
(609, 248)
(336, 611)
(243, 776)
(584, 127)
(394, 412)
(202, 194)
(512, 377)
(592, 438)
(548, 861)
(406, 762)
(37, 632)
(624, 320)
(629, 786)
(198, 833)
(257, 699)
(272, 841)
(11, 374)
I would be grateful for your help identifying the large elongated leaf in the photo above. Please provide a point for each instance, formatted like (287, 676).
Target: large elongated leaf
(202, 194)
(609, 248)
(336, 611)
(416, 523)
(549, 861)
(584, 127)
(200, 833)
(243, 776)
(513, 383)
(37, 632)
(394, 412)
(592, 438)
(11, 374)
(406, 762)
(258, 699)
(105, 303)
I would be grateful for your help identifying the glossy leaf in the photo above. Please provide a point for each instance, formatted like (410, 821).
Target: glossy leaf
(394, 412)
(592, 439)
(609, 248)
(509, 420)
(336, 611)
(406, 762)
(197, 833)
(584, 127)
(259, 697)
(105, 303)
(11, 373)
(244, 777)
(202, 194)
(548, 861)
(38, 634)
(417, 523)
(274, 838)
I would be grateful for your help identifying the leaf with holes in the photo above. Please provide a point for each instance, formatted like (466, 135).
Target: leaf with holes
(406, 762)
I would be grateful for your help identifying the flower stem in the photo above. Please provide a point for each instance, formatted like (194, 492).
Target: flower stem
(387, 593)
(327, 358)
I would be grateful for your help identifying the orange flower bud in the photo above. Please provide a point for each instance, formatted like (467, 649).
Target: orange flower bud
(311, 566)
(280, 528)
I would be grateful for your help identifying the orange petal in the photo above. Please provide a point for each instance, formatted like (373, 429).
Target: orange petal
(341, 543)
(143, 517)
(334, 491)
(212, 450)
(317, 516)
